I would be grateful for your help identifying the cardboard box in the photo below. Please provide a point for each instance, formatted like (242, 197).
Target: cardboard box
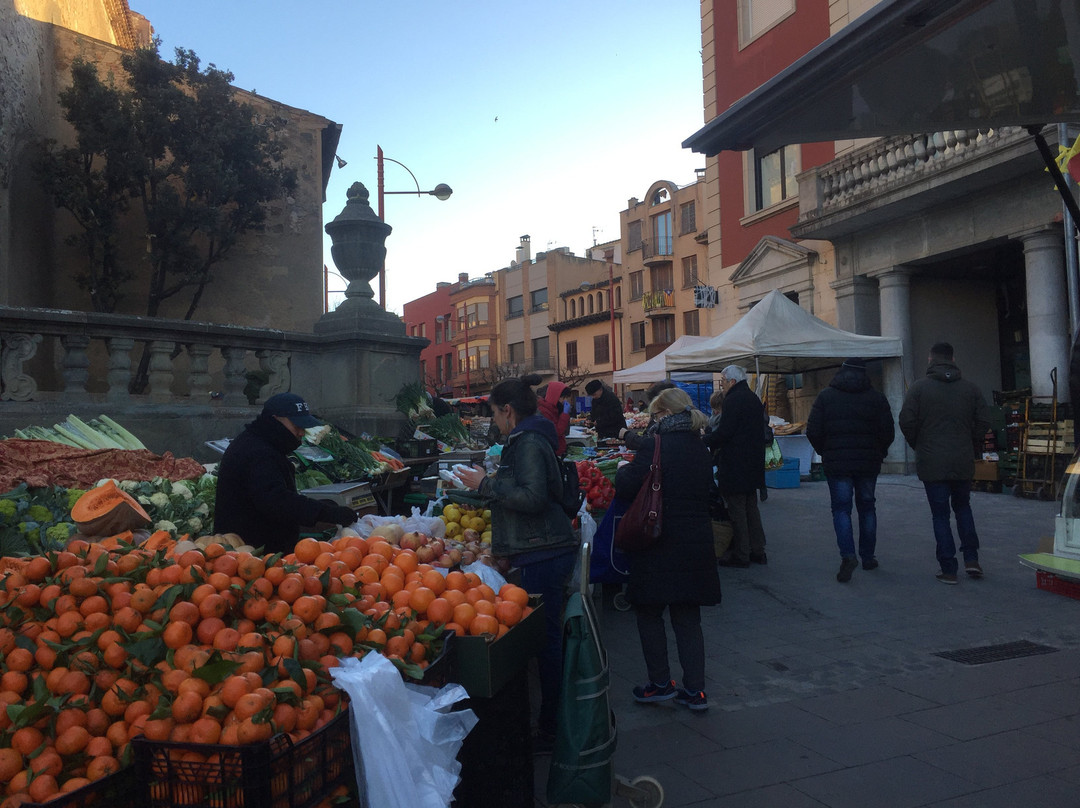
(986, 470)
(484, 667)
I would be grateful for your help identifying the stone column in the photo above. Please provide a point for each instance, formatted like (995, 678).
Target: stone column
(894, 301)
(1048, 311)
(857, 305)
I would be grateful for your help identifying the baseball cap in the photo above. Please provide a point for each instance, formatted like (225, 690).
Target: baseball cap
(291, 406)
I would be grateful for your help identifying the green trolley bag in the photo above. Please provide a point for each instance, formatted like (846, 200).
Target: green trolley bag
(582, 762)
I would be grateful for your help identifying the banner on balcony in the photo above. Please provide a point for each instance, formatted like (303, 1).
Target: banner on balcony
(659, 299)
(706, 297)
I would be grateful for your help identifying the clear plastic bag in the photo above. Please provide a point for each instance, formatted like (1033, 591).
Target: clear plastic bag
(369, 522)
(405, 738)
(428, 525)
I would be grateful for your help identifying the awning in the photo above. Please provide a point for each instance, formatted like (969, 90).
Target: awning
(910, 66)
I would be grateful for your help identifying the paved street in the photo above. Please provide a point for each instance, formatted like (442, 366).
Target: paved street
(828, 694)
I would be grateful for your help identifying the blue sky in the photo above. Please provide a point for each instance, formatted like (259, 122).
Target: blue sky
(592, 100)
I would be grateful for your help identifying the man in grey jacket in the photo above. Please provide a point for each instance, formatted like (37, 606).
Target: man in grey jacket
(944, 418)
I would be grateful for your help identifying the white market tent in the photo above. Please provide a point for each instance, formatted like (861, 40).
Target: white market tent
(655, 369)
(779, 336)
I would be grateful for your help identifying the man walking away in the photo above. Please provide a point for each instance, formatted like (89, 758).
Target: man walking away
(944, 419)
(851, 427)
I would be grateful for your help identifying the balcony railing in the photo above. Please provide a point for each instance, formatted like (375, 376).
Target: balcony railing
(662, 299)
(657, 249)
(895, 166)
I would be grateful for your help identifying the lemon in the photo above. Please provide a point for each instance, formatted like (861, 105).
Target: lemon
(485, 537)
(453, 530)
(452, 513)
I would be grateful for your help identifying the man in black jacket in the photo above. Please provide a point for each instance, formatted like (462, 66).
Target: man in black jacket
(256, 489)
(607, 411)
(740, 466)
(851, 427)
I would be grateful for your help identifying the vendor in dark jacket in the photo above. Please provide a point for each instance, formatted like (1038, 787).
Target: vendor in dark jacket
(256, 488)
(607, 412)
(740, 466)
(678, 573)
(851, 427)
(528, 524)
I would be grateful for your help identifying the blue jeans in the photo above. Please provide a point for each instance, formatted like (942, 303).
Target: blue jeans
(957, 493)
(550, 578)
(841, 492)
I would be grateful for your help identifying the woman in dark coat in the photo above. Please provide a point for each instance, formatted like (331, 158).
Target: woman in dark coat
(678, 573)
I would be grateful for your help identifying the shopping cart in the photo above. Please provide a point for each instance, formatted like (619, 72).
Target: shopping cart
(582, 771)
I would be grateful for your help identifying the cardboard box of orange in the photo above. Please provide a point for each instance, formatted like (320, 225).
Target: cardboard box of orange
(986, 470)
(482, 667)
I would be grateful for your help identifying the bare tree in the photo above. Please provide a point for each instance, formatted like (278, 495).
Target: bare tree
(573, 377)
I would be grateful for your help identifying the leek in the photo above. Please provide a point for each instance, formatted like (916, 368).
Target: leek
(126, 438)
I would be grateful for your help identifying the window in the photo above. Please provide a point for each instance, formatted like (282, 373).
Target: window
(618, 297)
(661, 233)
(690, 323)
(590, 305)
(448, 328)
(423, 330)
(633, 235)
(571, 354)
(662, 278)
(573, 308)
(758, 16)
(478, 358)
(689, 271)
(438, 333)
(599, 301)
(637, 286)
(581, 307)
(663, 329)
(539, 299)
(514, 307)
(687, 218)
(600, 349)
(637, 336)
(541, 354)
(476, 312)
(517, 353)
(448, 360)
(774, 177)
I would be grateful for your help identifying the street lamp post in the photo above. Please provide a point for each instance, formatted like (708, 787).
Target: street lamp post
(454, 323)
(441, 192)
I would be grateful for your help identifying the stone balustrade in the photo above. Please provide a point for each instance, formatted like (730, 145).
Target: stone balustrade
(890, 164)
(54, 355)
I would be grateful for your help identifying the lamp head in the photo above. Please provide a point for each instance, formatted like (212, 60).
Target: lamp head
(442, 192)
(340, 163)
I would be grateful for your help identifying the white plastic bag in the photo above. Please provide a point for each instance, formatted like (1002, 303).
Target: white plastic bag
(488, 575)
(369, 522)
(405, 738)
(428, 525)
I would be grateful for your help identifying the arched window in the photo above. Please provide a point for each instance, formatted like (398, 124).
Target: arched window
(581, 306)
(599, 301)
(573, 309)
(590, 304)
(618, 297)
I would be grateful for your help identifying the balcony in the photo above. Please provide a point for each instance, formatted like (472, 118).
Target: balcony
(657, 251)
(658, 301)
(892, 176)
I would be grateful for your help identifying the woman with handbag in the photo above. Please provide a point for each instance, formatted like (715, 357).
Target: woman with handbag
(678, 571)
(528, 524)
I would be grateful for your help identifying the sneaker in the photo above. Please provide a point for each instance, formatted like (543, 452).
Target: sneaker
(695, 701)
(946, 578)
(654, 692)
(870, 564)
(847, 566)
(973, 569)
(759, 558)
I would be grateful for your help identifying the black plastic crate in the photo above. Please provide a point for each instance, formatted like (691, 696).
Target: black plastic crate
(417, 447)
(117, 790)
(274, 774)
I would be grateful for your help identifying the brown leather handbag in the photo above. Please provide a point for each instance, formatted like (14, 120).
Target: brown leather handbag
(640, 526)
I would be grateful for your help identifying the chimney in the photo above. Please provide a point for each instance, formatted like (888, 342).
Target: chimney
(524, 250)
(463, 277)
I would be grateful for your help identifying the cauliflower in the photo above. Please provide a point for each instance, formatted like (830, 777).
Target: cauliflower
(195, 524)
(73, 495)
(181, 490)
(143, 499)
(59, 533)
(159, 500)
(104, 480)
(128, 485)
(202, 509)
(7, 507)
(39, 513)
(208, 482)
(166, 525)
